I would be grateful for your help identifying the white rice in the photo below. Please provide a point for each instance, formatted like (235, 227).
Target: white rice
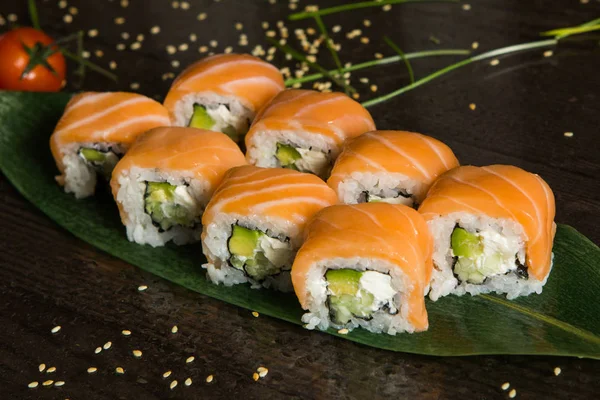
(444, 282)
(318, 311)
(215, 248)
(79, 177)
(263, 146)
(140, 228)
(383, 184)
(238, 116)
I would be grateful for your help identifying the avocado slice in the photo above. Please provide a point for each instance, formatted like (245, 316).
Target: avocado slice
(466, 244)
(162, 206)
(244, 242)
(346, 298)
(287, 155)
(102, 161)
(200, 118)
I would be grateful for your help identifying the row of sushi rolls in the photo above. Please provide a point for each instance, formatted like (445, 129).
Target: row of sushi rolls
(360, 223)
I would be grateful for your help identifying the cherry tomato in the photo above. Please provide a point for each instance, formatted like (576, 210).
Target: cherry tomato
(23, 47)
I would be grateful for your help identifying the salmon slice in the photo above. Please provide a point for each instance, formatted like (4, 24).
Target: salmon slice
(417, 157)
(392, 233)
(500, 191)
(248, 79)
(269, 193)
(112, 117)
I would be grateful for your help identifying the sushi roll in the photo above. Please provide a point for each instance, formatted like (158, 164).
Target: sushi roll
(493, 229)
(365, 265)
(304, 130)
(165, 180)
(254, 223)
(223, 93)
(95, 131)
(395, 167)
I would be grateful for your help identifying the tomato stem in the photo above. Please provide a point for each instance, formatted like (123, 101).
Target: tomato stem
(88, 64)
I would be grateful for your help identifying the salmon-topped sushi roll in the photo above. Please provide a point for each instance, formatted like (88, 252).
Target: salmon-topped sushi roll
(394, 167)
(254, 223)
(304, 130)
(95, 130)
(365, 265)
(165, 180)
(223, 93)
(493, 229)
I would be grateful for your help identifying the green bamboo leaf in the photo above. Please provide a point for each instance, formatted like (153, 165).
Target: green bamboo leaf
(564, 320)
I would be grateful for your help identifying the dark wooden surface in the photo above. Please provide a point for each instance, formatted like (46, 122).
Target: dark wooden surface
(524, 105)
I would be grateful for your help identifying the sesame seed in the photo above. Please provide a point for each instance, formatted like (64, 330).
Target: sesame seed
(13, 17)
(505, 386)
(33, 385)
(387, 7)
(270, 33)
(255, 314)
(364, 80)
(113, 65)
(172, 385)
(155, 30)
(2, 21)
(228, 49)
(119, 370)
(91, 370)
(73, 10)
(568, 134)
(185, 5)
(584, 1)
(56, 329)
(93, 32)
(125, 332)
(373, 89)
(140, 37)
(124, 3)
(262, 371)
(466, 7)
(51, 370)
(167, 374)
(120, 46)
(355, 96)
(474, 45)
(296, 85)
(202, 49)
(265, 25)
(378, 55)
(85, 54)
(293, 6)
(62, 4)
(512, 394)
(135, 46)
(48, 382)
(125, 35)
(255, 376)
(557, 371)
(174, 329)
(107, 345)
(171, 50)
(183, 47)
(209, 379)
(119, 20)
(188, 381)
(59, 383)
(42, 367)
(201, 16)
(190, 359)
(136, 353)
(175, 4)
(213, 43)
(142, 288)
(472, 106)
(239, 26)
(494, 62)
(67, 18)
(548, 53)
(367, 22)
(364, 39)
(336, 28)
(193, 37)
(344, 331)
